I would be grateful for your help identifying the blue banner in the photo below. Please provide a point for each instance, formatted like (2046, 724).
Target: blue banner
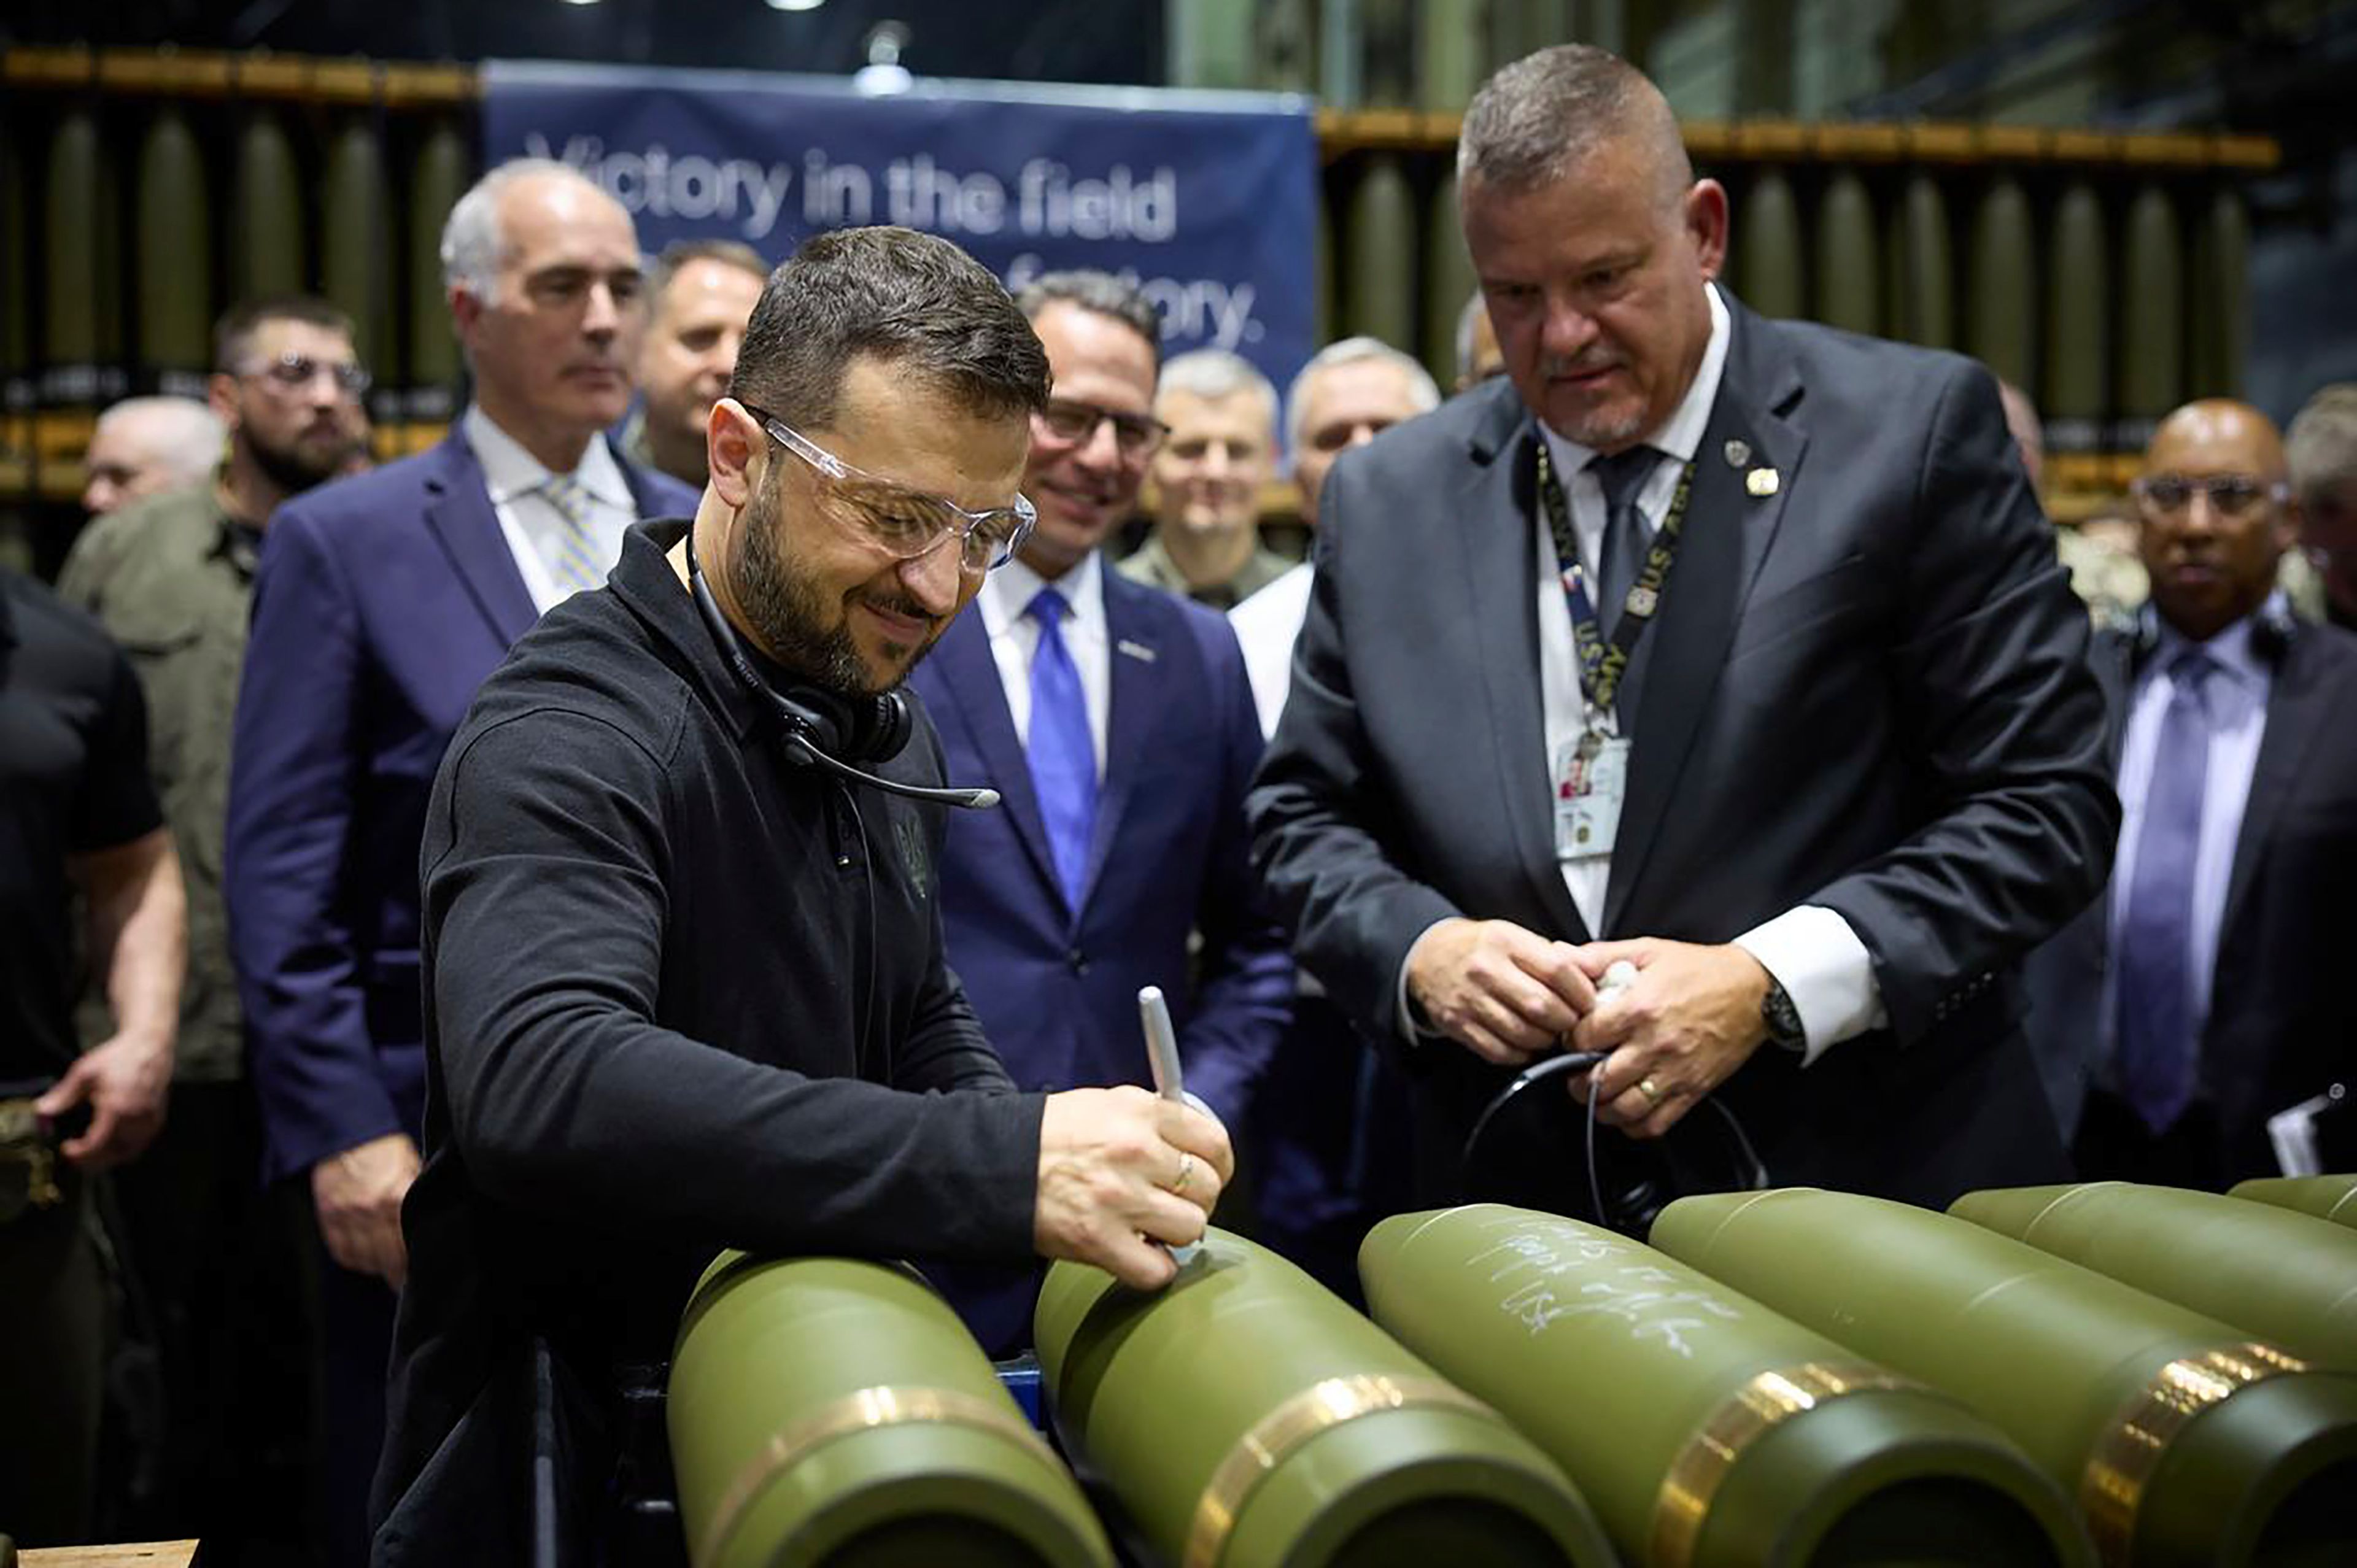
(1207, 200)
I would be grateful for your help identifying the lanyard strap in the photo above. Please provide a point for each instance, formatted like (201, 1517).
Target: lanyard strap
(1602, 661)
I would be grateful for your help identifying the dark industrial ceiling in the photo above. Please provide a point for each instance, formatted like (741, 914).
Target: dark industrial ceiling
(1115, 41)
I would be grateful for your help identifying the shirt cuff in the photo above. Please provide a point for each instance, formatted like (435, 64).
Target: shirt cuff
(1815, 955)
(1411, 1030)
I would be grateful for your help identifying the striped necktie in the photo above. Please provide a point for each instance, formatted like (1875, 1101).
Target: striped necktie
(576, 561)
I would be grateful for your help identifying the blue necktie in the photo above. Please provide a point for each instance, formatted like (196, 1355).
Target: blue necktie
(1623, 478)
(2158, 1053)
(1062, 754)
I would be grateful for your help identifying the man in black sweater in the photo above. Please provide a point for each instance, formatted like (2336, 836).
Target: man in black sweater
(684, 978)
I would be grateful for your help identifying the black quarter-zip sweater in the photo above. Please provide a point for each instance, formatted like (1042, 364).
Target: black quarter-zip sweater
(682, 994)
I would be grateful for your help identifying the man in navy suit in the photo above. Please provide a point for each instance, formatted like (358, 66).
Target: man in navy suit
(1116, 722)
(1831, 775)
(2205, 993)
(380, 604)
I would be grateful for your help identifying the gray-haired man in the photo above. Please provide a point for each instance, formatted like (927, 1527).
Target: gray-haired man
(1348, 394)
(380, 604)
(1207, 478)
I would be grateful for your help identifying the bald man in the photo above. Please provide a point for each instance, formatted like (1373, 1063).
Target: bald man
(146, 445)
(2208, 982)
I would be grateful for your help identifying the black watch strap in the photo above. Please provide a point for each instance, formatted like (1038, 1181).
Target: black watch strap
(1781, 1018)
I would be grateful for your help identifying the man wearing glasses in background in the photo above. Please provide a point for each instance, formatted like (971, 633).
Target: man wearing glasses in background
(685, 979)
(171, 577)
(2209, 985)
(1117, 722)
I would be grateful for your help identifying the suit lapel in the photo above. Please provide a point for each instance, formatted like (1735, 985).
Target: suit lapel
(1138, 681)
(458, 512)
(2295, 712)
(970, 670)
(1727, 534)
(645, 500)
(1500, 604)
(2113, 658)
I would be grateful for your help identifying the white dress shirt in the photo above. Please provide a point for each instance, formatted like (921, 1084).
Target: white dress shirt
(2237, 701)
(1267, 625)
(1811, 950)
(1005, 595)
(535, 531)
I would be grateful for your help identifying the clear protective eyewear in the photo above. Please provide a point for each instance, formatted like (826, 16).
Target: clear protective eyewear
(906, 523)
(295, 371)
(2230, 495)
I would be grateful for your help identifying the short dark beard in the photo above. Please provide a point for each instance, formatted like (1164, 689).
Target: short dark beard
(785, 610)
(294, 469)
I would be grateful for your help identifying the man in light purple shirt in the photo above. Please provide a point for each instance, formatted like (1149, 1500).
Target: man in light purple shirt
(2213, 1000)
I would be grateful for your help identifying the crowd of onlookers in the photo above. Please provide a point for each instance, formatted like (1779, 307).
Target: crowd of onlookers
(239, 825)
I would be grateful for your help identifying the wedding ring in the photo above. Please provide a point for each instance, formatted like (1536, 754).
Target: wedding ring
(1645, 1086)
(1186, 1173)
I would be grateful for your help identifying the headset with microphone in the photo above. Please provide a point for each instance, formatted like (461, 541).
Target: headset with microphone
(820, 728)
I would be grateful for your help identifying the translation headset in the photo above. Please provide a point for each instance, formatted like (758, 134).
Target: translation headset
(821, 729)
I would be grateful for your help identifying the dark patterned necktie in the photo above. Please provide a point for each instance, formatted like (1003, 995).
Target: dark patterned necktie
(1622, 477)
(2158, 1053)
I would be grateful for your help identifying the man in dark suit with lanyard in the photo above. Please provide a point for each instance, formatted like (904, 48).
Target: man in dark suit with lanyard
(1749, 648)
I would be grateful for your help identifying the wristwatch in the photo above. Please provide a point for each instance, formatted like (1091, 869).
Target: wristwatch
(1781, 1018)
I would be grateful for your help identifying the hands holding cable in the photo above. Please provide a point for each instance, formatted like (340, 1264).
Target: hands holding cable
(1677, 1030)
(1686, 1018)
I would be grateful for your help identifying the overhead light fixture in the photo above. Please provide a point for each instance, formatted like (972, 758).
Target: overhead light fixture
(581, 2)
(884, 75)
(794, 5)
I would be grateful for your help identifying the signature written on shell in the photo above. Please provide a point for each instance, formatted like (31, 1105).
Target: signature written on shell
(1555, 1274)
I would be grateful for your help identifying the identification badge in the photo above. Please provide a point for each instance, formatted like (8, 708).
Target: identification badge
(1592, 776)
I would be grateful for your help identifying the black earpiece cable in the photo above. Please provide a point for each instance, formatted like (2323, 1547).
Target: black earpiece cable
(797, 737)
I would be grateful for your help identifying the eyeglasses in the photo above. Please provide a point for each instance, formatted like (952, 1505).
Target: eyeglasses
(293, 371)
(2230, 495)
(906, 523)
(1136, 437)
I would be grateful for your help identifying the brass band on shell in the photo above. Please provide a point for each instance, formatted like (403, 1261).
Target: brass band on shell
(1765, 1401)
(864, 1410)
(1312, 1410)
(2111, 1489)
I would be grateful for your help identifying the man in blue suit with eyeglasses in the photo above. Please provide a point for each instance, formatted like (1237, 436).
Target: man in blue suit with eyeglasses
(1117, 722)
